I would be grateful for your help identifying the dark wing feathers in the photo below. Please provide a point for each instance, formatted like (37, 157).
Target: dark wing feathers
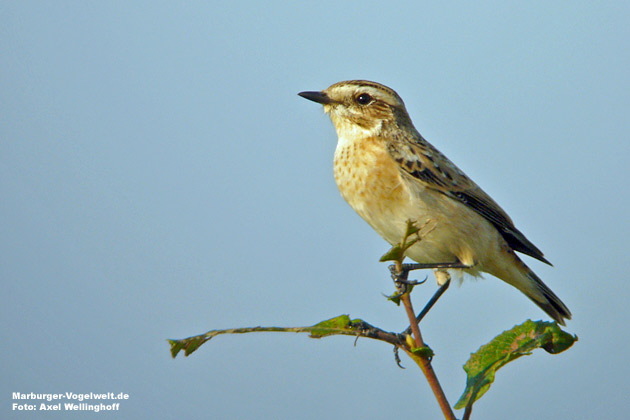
(423, 162)
(495, 215)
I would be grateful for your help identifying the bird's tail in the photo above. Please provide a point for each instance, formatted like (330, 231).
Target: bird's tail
(547, 300)
(525, 280)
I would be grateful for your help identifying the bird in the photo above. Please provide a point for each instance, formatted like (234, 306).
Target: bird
(390, 175)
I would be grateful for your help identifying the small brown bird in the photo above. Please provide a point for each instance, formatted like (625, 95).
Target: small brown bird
(390, 174)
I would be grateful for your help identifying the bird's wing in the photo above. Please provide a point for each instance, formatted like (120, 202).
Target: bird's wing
(423, 163)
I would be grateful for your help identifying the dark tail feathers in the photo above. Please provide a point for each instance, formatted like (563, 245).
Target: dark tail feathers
(551, 304)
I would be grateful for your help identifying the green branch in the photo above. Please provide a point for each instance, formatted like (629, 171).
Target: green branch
(340, 325)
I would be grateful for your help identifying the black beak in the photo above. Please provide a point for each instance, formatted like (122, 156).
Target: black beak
(319, 97)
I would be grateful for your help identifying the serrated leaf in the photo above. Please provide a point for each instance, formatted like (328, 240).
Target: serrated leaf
(412, 228)
(397, 252)
(506, 347)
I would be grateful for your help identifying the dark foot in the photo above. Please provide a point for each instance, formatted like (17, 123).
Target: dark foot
(403, 284)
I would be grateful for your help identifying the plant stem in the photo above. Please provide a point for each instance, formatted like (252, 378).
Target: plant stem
(425, 362)
(467, 412)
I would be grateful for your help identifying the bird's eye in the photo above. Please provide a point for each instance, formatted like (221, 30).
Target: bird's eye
(364, 99)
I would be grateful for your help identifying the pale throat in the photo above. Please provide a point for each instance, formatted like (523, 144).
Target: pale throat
(348, 130)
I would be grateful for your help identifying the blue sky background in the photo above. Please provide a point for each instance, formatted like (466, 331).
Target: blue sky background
(160, 177)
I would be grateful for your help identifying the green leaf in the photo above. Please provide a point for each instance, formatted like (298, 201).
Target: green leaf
(412, 228)
(331, 326)
(395, 253)
(394, 297)
(424, 352)
(189, 345)
(506, 347)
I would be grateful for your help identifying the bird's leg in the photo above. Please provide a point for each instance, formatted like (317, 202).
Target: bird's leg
(419, 266)
(400, 274)
(438, 293)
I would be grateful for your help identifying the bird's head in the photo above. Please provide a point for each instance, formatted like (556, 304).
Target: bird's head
(361, 105)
